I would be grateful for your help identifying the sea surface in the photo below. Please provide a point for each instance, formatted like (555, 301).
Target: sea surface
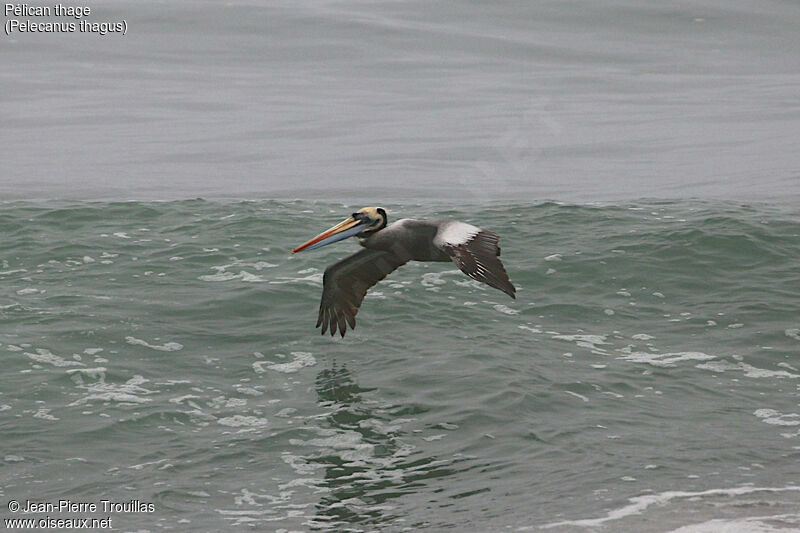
(402, 100)
(646, 378)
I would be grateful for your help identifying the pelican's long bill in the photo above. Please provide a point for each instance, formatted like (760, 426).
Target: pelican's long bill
(343, 230)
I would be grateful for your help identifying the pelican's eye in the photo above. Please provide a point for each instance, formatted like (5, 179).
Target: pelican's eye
(356, 216)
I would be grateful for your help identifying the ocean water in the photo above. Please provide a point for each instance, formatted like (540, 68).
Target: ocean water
(646, 378)
(403, 100)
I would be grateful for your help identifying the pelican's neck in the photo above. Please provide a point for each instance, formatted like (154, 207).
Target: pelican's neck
(363, 238)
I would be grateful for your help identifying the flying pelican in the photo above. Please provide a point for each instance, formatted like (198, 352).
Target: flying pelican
(345, 283)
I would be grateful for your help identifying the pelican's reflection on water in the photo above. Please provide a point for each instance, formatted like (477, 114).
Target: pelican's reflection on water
(367, 460)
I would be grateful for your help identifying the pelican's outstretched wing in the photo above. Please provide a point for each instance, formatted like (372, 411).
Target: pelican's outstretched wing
(345, 284)
(475, 252)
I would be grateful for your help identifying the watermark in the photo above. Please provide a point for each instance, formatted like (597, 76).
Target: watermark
(57, 18)
(90, 514)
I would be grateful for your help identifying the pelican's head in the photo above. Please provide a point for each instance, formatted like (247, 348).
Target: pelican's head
(363, 222)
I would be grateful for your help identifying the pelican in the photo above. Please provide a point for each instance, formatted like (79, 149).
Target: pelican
(387, 247)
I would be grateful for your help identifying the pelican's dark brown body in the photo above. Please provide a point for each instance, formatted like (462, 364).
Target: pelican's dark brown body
(410, 239)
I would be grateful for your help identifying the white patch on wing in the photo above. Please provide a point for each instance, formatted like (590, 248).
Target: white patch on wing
(455, 233)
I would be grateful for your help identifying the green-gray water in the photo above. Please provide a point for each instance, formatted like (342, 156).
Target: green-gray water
(645, 379)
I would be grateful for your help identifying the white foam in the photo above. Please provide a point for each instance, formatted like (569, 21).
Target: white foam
(44, 414)
(29, 290)
(505, 309)
(313, 279)
(431, 279)
(750, 371)
(188, 399)
(642, 337)
(250, 391)
(771, 416)
(579, 396)
(300, 465)
(250, 278)
(759, 524)
(793, 333)
(553, 257)
(236, 421)
(148, 463)
(44, 356)
(224, 275)
(586, 341)
(379, 426)
(127, 392)
(375, 295)
(665, 359)
(219, 276)
(228, 276)
(301, 359)
(639, 503)
(166, 347)
(119, 397)
(7, 272)
(351, 444)
(94, 373)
